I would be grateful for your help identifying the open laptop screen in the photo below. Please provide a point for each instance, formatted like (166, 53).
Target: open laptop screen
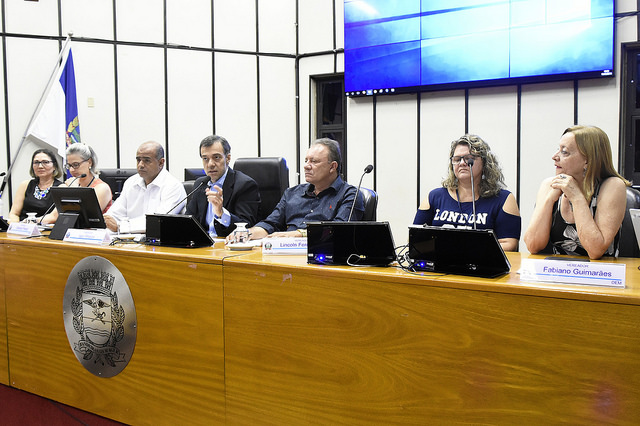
(176, 230)
(350, 243)
(457, 251)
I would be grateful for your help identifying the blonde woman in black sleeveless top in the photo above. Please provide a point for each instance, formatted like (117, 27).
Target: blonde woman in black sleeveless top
(579, 211)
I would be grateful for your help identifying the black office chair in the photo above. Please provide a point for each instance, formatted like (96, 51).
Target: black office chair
(272, 176)
(370, 204)
(188, 187)
(193, 173)
(628, 244)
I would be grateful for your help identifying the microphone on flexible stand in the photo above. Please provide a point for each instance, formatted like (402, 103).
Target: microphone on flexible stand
(366, 170)
(205, 181)
(4, 182)
(46, 213)
(84, 175)
(470, 162)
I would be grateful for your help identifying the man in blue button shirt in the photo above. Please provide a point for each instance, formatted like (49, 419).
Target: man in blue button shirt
(325, 196)
(230, 197)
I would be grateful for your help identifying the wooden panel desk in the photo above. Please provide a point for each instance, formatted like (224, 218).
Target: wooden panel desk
(176, 373)
(309, 344)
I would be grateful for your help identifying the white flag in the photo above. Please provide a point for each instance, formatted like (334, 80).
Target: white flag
(56, 121)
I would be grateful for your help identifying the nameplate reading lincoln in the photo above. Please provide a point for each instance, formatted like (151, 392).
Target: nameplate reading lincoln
(99, 316)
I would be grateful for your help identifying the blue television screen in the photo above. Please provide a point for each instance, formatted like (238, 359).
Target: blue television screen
(399, 46)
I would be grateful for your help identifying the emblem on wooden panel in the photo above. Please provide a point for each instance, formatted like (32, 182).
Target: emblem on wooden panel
(99, 316)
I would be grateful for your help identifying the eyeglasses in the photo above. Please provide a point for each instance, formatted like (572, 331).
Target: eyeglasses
(455, 160)
(43, 163)
(74, 165)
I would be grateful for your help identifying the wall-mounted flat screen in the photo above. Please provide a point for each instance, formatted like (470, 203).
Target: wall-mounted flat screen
(400, 46)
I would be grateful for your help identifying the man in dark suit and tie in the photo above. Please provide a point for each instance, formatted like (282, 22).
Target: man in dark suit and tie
(229, 197)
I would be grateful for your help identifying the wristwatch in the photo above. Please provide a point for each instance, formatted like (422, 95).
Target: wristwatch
(303, 232)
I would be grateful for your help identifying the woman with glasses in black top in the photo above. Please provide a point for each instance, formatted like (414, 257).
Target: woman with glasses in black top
(33, 195)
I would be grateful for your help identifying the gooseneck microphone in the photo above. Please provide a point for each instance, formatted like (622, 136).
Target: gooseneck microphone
(470, 162)
(84, 175)
(366, 170)
(46, 213)
(4, 182)
(205, 181)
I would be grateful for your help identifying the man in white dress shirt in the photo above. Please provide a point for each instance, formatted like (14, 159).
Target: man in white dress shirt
(152, 190)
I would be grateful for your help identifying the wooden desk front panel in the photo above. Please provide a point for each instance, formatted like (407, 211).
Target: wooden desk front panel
(304, 347)
(176, 373)
(4, 356)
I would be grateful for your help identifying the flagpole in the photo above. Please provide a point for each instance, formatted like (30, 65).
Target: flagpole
(35, 112)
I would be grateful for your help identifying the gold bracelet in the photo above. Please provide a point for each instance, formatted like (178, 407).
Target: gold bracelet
(303, 232)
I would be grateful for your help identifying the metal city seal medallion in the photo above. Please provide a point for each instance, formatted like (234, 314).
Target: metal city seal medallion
(99, 316)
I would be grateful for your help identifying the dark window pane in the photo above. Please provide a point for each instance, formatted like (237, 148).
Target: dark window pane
(330, 115)
(331, 98)
(335, 135)
(635, 78)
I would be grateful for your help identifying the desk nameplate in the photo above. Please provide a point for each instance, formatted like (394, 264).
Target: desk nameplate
(88, 236)
(24, 229)
(573, 272)
(295, 245)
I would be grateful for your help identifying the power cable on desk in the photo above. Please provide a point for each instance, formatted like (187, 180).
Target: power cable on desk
(406, 264)
(117, 240)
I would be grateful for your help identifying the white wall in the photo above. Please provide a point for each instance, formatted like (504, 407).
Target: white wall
(230, 67)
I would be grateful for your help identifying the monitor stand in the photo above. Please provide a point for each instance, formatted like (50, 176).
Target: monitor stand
(64, 222)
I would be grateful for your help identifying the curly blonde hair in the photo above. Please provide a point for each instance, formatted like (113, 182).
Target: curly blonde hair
(492, 177)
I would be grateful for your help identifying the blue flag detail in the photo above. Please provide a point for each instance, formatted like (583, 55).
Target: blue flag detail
(68, 83)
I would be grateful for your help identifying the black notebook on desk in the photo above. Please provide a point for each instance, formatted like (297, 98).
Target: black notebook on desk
(360, 243)
(474, 252)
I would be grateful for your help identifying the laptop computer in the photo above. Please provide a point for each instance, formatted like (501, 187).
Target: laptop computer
(176, 230)
(457, 251)
(360, 243)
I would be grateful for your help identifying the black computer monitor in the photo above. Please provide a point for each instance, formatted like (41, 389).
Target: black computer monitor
(115, 179)
(77, 208)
